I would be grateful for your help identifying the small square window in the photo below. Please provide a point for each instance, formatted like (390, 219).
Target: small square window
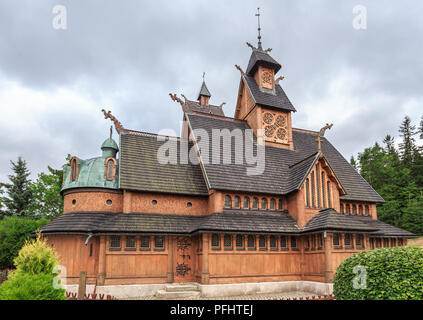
(130, 243)
(158, 243)
(284, 244)
(336, 240)
(251, 242)
(227, 241)
(115, 243)
(215, 241)
(273, 243)
(145, 243)
(293, 243)
(262, 243)
(239, 242)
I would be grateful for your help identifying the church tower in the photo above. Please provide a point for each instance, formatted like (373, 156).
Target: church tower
(262, 101)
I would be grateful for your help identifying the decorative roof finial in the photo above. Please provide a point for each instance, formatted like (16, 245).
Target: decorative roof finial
(111, 131)
(118, 126)
(204, 75)
(321, 135)
(258, 24)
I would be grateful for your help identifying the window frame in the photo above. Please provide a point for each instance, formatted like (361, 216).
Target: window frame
(132, 238)
(156, 247)
(242, 247)
(225, 237)
(213, 237)
(111, 242)
(249, 237)
(262, 248)
(143, 248)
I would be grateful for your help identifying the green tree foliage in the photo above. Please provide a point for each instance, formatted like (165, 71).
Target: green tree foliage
(18, 191)
(35, 274)
(381, 274)
(14, 231)
(397, 175)
(353, 163)
(46, 200)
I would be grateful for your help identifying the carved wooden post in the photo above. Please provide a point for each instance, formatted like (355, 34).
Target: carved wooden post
(82, 285)
(101, 261)
(302, 264)
(328, 258)
(205, 276)
(170, 258)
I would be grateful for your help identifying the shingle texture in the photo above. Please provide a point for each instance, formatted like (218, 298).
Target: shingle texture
(265, 97)
(194, 106)
(230, 220)
(329, 219)
(140, 168)
(278, 176)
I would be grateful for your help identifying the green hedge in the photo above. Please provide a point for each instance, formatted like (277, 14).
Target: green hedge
(13, 233)
(390, 273)
(31, 287)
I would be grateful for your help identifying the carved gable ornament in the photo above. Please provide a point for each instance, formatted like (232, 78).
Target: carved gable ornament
(275, 126)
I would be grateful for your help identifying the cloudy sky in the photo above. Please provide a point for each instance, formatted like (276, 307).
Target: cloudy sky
(127, 56)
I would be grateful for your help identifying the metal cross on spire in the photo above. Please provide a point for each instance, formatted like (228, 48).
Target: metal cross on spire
(258, 28)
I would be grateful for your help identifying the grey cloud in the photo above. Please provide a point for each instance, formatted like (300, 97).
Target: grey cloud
(134, 53)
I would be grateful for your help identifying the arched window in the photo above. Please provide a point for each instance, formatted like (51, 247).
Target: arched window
(74, 169)
(237, 201)
(307, 193)
(318, 185)
(280, 204)
(360, 209)
(347, 206)
(354, 209)
(110, 169)
(313, 191)
(246, 203)
(342, 208)
(366, 209)
(264, 203)
(329, 195)
(255, 203)
(228, 201)
(272, 204)
(323, 190)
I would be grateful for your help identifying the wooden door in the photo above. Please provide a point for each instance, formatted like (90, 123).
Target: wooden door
(184, 260)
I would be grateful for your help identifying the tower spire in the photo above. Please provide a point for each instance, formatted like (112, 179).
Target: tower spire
(259, 29)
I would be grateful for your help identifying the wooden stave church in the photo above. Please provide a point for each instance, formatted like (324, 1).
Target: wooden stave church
(131, 220)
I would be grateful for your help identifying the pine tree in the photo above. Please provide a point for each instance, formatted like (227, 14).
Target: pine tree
(408, 145)
(18, 191)
(421, 128)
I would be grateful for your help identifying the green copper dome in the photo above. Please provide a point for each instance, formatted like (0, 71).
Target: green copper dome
(90, 175)
(110, 148)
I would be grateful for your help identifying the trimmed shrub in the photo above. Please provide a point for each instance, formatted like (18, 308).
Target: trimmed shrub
(13, 233)
(390, 273)
(33, 278)
(36, 257)
(31, 287)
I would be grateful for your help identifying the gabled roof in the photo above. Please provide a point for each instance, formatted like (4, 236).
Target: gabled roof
(329, 219)
(277, 178)
(275, 99)
(194, 106)
(140, 168)
(263, 58)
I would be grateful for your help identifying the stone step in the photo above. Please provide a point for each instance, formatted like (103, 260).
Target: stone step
(181, 287)
(177, 294)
